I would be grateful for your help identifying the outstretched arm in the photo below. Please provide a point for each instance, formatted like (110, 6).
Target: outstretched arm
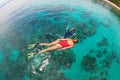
(67, 27)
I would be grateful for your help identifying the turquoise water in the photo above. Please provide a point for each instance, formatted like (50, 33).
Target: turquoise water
(95, 57)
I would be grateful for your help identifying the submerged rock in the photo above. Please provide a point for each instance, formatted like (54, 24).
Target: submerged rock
(64, 58)
(89, 63)
(107, 62)
(103, 42)
(113, 54)
(103, 78)
(104, 73)
(118, 60)
(84, 31)
(94, 78)
(99, 54)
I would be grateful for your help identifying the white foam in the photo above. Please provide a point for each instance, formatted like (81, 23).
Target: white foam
(44, 64)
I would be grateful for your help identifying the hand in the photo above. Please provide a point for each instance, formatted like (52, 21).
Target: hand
(74, 34)
(67, 27)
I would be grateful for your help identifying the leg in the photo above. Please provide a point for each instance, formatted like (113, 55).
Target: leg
(55, 47)
(44, 44)
(49, 44)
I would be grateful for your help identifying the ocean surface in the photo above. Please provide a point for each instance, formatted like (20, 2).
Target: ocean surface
(24, 24)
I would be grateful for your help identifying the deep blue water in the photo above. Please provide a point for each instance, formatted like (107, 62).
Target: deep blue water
(95, 57)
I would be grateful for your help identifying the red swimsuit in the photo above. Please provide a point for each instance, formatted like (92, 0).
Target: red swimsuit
(63, 43)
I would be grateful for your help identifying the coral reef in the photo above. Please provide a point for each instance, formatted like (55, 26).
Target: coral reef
(67, 58)
(103, 42)
(57, 60)
(18, 68)
(83, 31)
(98, 61)
(89, 63)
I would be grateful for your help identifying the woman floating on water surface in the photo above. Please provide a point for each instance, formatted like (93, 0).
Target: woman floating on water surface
(59, 44)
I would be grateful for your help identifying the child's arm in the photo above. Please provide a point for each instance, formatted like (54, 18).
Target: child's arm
(67, 27)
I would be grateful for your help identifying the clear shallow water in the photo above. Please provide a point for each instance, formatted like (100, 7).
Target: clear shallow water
(97, 29)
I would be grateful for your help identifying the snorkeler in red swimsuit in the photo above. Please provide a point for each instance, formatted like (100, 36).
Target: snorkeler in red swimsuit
(63, 43)
(59, 44)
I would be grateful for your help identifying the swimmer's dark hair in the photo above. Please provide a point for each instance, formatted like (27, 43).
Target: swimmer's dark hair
(75, 40)
(73, 29)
